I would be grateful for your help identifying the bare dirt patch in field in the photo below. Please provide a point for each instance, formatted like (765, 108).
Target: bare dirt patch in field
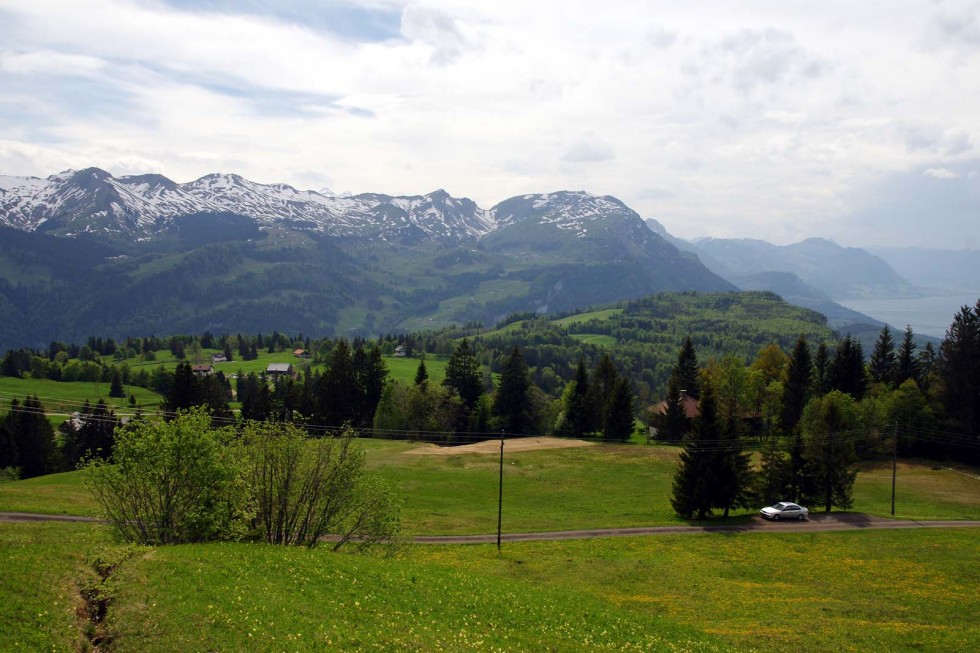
(493, 446)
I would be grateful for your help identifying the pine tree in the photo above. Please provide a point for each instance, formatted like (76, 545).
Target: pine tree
(96, 436)
(339, 393)
(847, 369)
(421, 375)
(512, 405)
(463, 374)
(926, 362)
(255, 398)
(375, 379)
(604, 378)
(733, 488)
(821, 370)
(359, 363)
(618, 416)
(882, 364)
(215, 393)
(829, 450)
(907, 366)
(687, 369)
(773, 482)
(227, 352)
(697, 474)
(796, 390)
(578, 406)
(185, 391)
(958, 368)
(116, 386)
(9, 455)
(674, 421)
(33, 438)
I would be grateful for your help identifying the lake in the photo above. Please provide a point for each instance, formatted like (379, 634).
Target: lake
(929, 316)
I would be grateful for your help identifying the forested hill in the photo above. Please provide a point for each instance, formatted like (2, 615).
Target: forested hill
(645, 335)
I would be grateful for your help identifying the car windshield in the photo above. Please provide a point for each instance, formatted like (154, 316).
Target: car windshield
(780, 506)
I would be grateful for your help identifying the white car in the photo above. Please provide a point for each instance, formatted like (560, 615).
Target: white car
(784, 510)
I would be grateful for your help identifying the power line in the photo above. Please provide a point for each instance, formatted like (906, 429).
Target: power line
(853, 436)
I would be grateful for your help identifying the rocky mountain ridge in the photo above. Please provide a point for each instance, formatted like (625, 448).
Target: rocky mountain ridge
(85, 252)
(139, 207)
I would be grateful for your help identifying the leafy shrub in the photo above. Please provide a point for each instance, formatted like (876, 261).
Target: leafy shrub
(306, 488)
(172, 482)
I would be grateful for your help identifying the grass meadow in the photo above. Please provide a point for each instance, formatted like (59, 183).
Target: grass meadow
(901, 590)
(64, 398)
(598, 486)
(862, 591)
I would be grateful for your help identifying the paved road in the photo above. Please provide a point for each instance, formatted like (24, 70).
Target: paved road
(34, 516)
(831, 522)
(820, 522)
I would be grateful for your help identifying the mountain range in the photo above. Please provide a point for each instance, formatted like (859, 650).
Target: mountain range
(84, 252)
(87, 253)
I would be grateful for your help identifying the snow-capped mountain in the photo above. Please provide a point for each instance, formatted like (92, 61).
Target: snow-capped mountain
(594, 225)
(93, 201)
(226, 252)
(570, 211)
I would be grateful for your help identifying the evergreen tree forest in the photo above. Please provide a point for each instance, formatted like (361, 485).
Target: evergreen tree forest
(583, 375)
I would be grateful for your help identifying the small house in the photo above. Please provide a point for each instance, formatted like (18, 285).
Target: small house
(689, 403)
(301, 353)
(400, 351)
(277, 370)
(202, 370)
(218, 358)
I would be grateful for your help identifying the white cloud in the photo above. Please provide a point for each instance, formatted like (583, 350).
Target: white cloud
(589, 148)
(435, 28)
(763, 119)
(941, 173)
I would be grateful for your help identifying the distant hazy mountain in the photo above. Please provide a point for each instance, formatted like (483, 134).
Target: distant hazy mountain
(86, 253)
(939, 269)
(731, 259)
(840, 272)
(791, 288)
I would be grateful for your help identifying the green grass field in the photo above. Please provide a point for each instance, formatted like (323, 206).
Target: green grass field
(863, 591)
(600, 315)
(595, 339)
(169, 362)
(909, 590)
(404, 369)
(42, 565)
(64, 398)
(600, 486)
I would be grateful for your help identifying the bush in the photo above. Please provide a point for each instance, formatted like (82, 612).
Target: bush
(306, 488)
(172, 482)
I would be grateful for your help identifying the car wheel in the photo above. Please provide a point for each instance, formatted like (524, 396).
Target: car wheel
(800, 517)
(775, 517)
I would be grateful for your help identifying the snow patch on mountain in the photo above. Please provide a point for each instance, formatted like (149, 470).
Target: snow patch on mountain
(139, 206)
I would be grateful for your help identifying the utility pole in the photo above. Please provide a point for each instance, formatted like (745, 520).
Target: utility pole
(500, 495)
(894, 462)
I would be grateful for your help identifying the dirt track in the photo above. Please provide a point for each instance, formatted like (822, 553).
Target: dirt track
(493, 446)
(822, 522)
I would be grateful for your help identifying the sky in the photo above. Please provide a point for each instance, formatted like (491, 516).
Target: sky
(770, 119)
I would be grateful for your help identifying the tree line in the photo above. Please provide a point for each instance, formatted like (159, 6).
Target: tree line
(493, 385)
(814, 414)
